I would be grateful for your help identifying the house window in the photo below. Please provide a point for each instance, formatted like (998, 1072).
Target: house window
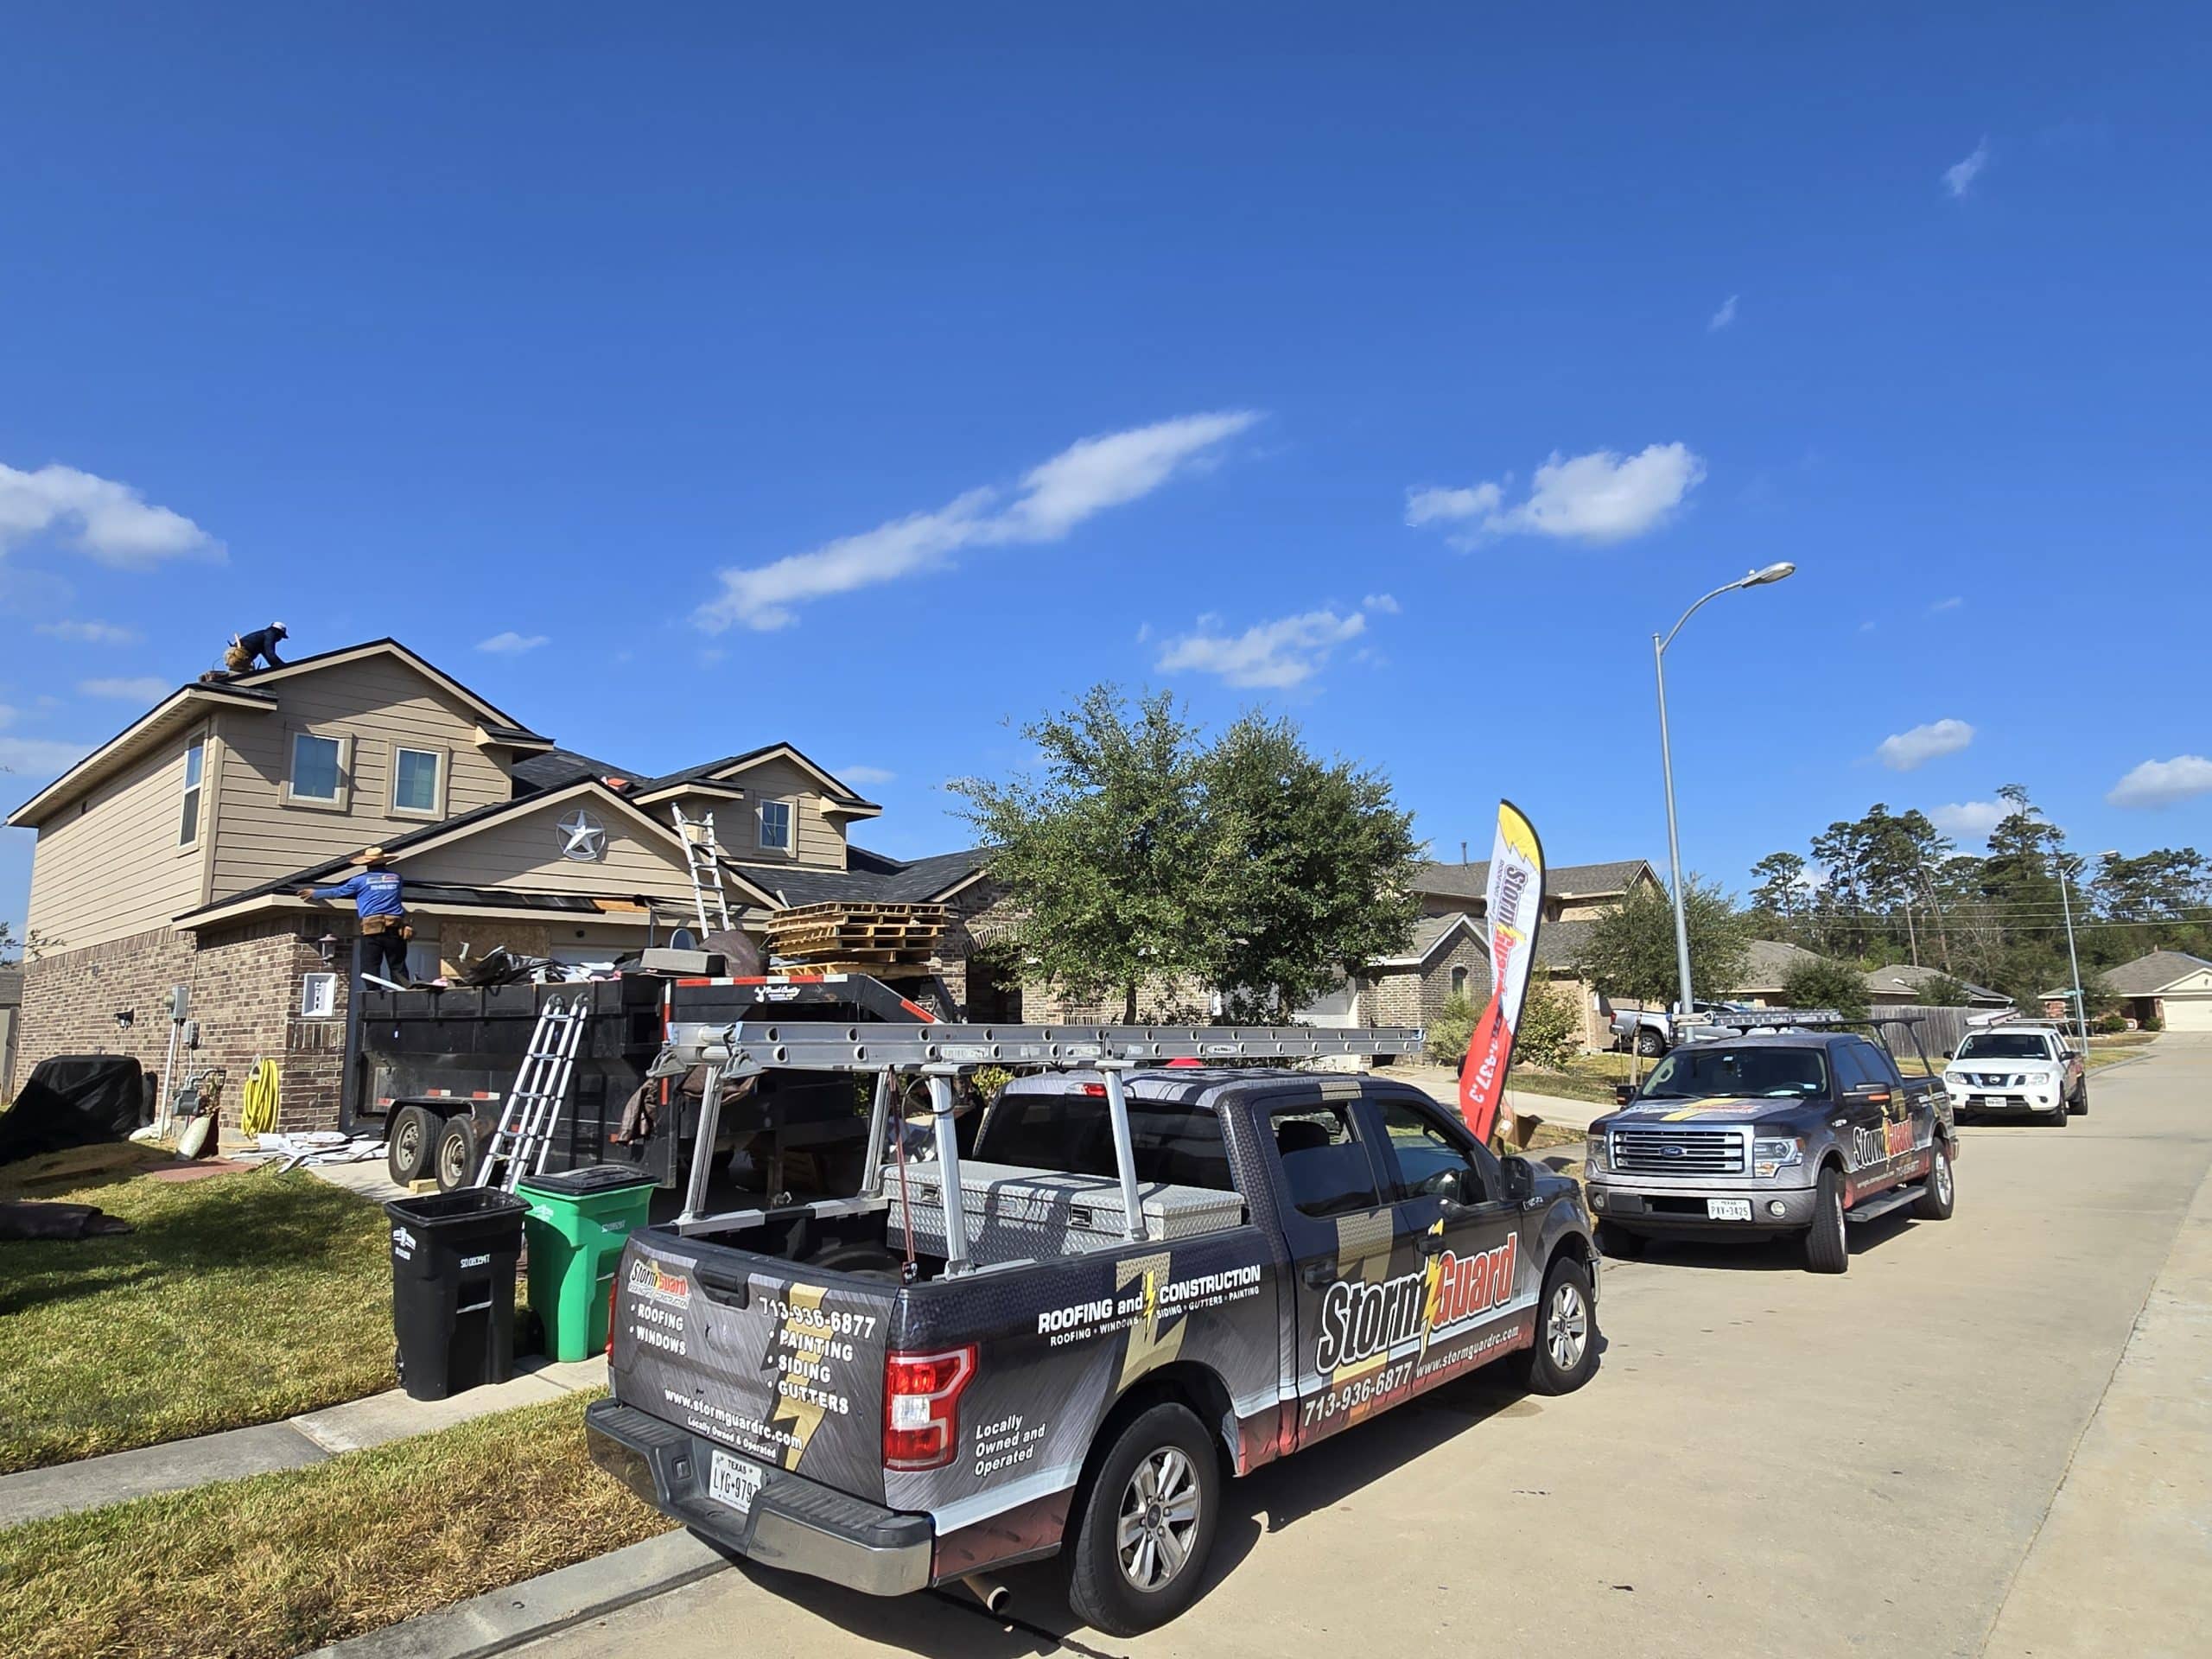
(776, 826)
(415, 780)
(1458, 979)
(318, 767)
(195, 760)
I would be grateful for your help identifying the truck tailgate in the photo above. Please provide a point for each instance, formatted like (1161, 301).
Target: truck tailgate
(756, 1354)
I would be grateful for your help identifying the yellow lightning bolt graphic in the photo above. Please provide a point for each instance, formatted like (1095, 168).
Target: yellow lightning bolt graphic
(1435, 1298)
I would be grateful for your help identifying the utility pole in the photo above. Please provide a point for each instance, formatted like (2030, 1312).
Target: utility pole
(2073, 961)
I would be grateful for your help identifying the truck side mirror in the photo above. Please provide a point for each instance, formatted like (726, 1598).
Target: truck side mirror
(1624, 1093)
(1520, 1179)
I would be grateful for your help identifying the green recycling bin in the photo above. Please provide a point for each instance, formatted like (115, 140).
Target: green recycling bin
(575, 1228)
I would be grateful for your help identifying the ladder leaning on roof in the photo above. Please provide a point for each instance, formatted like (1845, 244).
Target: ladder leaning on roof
(703, 855)
(937, 1053)
(532, 1110)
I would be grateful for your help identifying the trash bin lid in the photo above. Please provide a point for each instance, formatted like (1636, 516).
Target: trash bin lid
(591, 1180)
(458, 1208)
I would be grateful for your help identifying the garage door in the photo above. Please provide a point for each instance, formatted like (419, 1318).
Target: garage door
(2188, 1013)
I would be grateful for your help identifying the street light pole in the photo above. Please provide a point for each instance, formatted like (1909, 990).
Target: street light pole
(1756, 578)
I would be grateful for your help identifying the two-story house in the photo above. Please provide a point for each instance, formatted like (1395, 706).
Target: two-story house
(174, 856)
(1447, 957)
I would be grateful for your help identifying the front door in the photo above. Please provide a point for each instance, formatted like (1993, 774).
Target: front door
(1447, 1193)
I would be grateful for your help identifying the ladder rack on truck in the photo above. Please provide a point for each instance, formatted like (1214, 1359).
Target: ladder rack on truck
(937, 1053)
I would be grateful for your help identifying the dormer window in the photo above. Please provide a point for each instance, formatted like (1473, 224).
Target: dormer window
(775, 826)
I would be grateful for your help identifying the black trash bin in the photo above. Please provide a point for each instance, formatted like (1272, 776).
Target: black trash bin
(453, 1288)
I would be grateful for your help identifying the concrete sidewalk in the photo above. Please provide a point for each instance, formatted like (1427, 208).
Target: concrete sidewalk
(2122, 1563)
(92, 1482)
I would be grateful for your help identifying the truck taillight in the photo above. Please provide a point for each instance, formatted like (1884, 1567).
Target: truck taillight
(614, 1293)
(921, 1407)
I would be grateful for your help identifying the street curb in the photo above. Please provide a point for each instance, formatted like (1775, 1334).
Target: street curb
(500, 1620)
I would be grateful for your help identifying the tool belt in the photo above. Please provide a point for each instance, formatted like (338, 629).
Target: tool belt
(374, 925)
(238, 658)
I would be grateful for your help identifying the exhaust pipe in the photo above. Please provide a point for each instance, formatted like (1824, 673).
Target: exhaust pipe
(989, 1591)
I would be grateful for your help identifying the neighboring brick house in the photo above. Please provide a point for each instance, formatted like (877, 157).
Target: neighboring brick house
(172, 856)
(1448, 954)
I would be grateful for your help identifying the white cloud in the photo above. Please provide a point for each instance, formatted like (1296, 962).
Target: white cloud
(1969, 820)
(864, 774)
(1907, 751)
(1724, 317)
(1959, 177)
(1600, 497)
(101, 518)
(1274, 655)
(40, 757)
(145, 687)
(2161, 783)
(1943, 604)
(511, 644)
(1381, 604)
(1080, 482)
(91, 633)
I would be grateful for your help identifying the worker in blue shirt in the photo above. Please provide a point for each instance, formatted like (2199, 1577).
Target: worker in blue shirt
(260, 646)
(384, 932)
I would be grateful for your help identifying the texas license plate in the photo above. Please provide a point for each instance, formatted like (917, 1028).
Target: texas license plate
(734, 1481)
(1728, 1209)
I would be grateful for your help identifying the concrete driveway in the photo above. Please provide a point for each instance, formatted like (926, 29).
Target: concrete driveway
(1769, 1462)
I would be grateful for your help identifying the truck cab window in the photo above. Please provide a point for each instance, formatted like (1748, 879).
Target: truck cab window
(1426, 1157)
(1324, 1163)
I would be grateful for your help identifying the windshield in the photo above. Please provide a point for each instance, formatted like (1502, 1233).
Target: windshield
(1709, 1072)
(2004, 1046)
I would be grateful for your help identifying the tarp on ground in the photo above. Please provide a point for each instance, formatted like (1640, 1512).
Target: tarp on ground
(73, 1100)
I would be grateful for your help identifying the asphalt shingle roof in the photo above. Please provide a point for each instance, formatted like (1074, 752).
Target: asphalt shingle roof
(2148, 974)
(890, 880)
(558, 768)
(1471, 880)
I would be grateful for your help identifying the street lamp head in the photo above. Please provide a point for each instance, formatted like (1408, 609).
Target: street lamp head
(1774, 572)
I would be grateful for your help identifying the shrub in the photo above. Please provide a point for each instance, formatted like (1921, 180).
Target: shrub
(1551, 1033)
(2107, 1025)
(1449, 1032)
(2153, 1024)
(1825, 984)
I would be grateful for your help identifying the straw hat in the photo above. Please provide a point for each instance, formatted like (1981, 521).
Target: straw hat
(370, 855)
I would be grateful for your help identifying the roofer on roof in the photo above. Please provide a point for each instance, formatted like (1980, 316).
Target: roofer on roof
(375, 893)
(245, 648)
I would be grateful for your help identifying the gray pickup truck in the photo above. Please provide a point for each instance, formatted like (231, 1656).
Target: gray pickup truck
(993, 1357)
(1753, 1134)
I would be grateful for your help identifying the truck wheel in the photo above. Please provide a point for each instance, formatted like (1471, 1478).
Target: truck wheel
(1146, 1525)
(1648, 1043)
(2082, 1099)
(1939, 1192)
(407, 1139)
(456, 1154)
(2059, 1117)
(1826, 1250)
(1565, 1354)
(1616, 1242)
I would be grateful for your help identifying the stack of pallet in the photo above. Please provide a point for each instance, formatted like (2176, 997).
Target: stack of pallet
(889, 941)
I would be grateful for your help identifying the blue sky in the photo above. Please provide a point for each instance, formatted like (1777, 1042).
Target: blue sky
(1400, 368)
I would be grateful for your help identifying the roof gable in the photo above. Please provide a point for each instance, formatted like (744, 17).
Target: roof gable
(500, 726)
(731, 768)
(1472, 880)
(2154, 973)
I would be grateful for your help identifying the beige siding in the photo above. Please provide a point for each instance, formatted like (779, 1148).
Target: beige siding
(524, 851)
(820, 839)
(114, 869)
(381, 705)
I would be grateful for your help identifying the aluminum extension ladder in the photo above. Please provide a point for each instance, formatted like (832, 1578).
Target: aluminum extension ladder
(704, 857)
(531, 1111)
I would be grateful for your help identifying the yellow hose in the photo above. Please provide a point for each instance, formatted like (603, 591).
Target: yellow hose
(257, 1103)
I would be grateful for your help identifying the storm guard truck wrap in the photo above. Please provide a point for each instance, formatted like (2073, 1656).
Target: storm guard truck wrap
(1072, 1390)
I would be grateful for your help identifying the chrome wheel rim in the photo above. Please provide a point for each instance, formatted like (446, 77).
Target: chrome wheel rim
(1943, 1179)
(1567, 1329)
(1159, 1519)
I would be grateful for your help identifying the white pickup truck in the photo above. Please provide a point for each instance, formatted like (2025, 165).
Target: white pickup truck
(2024, 1067)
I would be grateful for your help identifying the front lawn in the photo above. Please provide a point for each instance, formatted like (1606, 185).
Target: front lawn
(283, 1562)
(240, 1298)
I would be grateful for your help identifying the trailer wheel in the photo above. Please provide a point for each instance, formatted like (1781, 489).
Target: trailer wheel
(1146, 1524)
(456, 1155)
(408, 1137)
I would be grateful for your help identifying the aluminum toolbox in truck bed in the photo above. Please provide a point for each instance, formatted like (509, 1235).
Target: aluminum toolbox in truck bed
(1016, 1213)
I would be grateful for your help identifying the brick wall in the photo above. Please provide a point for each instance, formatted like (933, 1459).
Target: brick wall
(245, 986)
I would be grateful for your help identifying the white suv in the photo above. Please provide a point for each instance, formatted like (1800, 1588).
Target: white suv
(2022, 1068)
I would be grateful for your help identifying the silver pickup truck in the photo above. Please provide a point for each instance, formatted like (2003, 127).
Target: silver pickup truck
(1755, 1134)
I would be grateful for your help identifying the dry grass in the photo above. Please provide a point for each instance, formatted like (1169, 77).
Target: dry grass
(277, 1564)
(240, 1298)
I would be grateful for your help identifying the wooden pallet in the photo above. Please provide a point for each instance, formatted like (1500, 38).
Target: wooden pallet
(922, 954)
(873, 970)
(859, 910)
(840, 938)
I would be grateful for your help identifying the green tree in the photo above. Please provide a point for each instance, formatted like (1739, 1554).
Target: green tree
(1631, 949)
(1550, 1033)
(1782, 898)
(1315, 866)
(1107, 856)
(1826, 984)
(1941, 991)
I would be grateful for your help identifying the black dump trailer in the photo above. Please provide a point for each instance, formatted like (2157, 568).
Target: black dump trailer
(439, 1066)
